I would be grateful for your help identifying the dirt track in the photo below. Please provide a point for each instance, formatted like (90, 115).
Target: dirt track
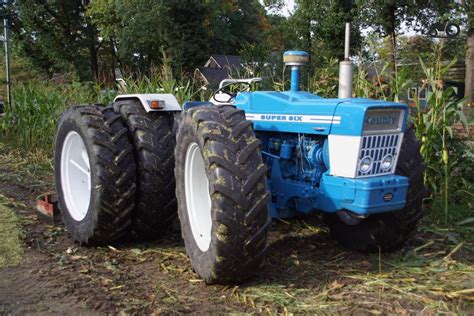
(306, 271)
(58, 276)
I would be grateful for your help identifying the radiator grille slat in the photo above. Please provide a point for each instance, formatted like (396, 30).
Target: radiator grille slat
(377, 147)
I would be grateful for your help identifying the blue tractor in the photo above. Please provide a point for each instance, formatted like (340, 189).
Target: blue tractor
(231, 165)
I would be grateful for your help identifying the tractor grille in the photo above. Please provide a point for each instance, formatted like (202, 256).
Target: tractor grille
(376, 147)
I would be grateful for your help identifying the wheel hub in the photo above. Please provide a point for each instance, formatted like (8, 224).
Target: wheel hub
(75, 176)
(198, 199)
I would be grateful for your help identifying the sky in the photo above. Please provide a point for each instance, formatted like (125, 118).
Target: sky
(289, 7)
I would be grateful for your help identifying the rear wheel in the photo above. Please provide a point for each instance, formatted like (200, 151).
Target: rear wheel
(387, 231)
(222, 193)
(153, 141)
(95, 174)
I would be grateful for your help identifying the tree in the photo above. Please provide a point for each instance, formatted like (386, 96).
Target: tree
(187, 40)
(412, 48)
(147, 32)
(233, 24)
(386, 17)
(469, 92)
(182, 33)
(57, 36)
(136, 29)
(320, 27)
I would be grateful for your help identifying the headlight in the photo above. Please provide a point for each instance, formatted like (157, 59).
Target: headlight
(365, 164)
(387, 162)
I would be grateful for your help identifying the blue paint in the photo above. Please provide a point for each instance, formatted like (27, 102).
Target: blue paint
(350, 111)
(363, 196)
(296, 152)
(295, 79)
(286, 151)
(293, 127)
(300, 185)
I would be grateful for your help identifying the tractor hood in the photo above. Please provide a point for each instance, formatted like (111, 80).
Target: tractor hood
(304, 112)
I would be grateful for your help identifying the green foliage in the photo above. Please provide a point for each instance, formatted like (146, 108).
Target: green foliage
(148, 33)
(21, 68)
(181, 34)
(325, 81)
(449, 162)
(386, 17)
(412, 48)
(318, 27)
(162, 81)
(235, 23)
(56, 36)
(31, 121)
(389, 16)
(10, 247)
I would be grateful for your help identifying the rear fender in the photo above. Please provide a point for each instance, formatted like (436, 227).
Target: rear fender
(168, 101)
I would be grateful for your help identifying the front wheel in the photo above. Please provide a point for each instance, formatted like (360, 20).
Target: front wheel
(387, 231)
(222, 193)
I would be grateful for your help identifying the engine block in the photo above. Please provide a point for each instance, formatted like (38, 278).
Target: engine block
(301, 156)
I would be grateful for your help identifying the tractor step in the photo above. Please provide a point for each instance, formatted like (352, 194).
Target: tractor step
(47, 208)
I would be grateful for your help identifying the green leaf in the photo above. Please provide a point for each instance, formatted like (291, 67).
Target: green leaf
(450, 131)
(448, 66)
(469, 220)
(463, 119)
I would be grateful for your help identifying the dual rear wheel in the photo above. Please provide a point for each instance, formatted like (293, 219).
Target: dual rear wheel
(114, 172)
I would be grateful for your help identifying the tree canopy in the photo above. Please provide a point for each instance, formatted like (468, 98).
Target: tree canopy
(91, 38)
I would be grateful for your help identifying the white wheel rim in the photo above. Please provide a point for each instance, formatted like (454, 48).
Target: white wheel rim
(198, 198)
(75, 176)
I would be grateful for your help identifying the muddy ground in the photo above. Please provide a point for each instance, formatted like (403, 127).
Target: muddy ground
(305, 272)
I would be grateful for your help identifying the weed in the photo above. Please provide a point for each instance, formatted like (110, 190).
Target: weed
(10, 247)
(30, 122)
(162, 81)
(440, 150)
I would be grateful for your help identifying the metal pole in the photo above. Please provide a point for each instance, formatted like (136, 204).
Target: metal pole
(346, 69)
(7, 54)
(347, 42)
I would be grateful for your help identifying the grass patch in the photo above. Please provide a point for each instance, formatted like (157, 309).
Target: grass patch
(10, 232)
(27, 168)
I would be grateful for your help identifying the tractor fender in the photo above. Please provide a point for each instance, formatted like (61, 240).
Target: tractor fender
(167, 101)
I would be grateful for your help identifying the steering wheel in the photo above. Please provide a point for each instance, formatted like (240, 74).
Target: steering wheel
(225, 89)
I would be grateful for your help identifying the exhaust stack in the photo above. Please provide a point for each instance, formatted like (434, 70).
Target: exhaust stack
(346, 69)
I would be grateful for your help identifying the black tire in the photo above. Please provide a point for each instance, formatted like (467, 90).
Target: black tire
(388, 231)
(112, 174)
(433, 32)
(152, 137)
(237, 188)
(451, 29)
